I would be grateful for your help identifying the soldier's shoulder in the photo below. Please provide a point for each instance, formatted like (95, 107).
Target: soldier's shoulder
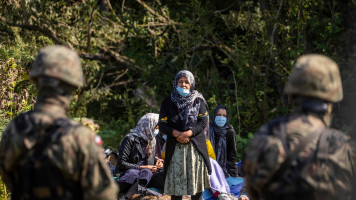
(337, 139)
(20, 122)
(79, 130)
(338, 133)
(78, 136)
(267, 128)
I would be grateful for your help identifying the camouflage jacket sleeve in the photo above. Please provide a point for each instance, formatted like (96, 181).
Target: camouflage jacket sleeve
(264, 155)
(92, 172)
(5, 150)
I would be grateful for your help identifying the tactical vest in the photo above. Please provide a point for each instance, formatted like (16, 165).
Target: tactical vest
(37, 178)
(286, 182)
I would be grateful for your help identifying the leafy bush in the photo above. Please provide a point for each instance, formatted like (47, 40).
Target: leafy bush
(113, 132)
(241, 145)
(4, 192)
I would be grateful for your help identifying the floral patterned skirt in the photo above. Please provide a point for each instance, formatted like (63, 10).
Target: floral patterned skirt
(187, 173)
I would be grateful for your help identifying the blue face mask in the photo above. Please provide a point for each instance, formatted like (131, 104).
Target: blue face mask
(164, 137)
(156, 132)
(182, 92)
(220, 121)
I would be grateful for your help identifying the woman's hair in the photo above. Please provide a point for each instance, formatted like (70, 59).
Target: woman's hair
(189, 76)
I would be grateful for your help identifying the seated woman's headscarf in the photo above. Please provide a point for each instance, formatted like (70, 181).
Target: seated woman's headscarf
(145, 128)
(220, 133)
(187, 106)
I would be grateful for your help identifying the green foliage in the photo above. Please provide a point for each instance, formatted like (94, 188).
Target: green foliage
(3, 124)
(4, 192)
(241, 145)
(112, 133)
(241, 54)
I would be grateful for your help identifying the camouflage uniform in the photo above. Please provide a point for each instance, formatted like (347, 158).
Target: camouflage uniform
(299, 156)
(43, 153)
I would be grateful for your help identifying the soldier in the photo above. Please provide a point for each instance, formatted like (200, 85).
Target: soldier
(43, 153)
(299, 156)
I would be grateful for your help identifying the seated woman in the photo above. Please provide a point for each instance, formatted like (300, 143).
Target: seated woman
(223, 140)
(136, 166)
(161, 139)
(111, 159)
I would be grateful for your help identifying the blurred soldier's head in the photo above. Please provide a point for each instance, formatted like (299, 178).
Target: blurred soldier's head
(57, 68)
(315, 84)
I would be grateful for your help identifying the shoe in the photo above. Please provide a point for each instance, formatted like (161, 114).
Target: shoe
(145, 191)
(224, 196)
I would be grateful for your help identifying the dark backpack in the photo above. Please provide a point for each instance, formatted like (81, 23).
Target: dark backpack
(287, 181)
(38, 179)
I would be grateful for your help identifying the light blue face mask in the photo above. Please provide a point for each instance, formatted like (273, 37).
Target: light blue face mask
(182, 92)
(155, 133)
(164, 137)
(220, 121)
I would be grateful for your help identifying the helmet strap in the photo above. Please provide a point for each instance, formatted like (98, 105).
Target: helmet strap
(320, 108)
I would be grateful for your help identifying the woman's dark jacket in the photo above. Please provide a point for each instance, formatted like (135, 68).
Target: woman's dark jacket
(231, 152)
(170, 120)
(130, 154)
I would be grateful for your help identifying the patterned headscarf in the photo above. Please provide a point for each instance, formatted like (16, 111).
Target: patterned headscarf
(219, 133)
(145, 127)
(187, 106)
(180, 101)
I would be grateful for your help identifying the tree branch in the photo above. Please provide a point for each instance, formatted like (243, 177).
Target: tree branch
(121, 75)
(89, 29)
(120, 59)
(159, 24)
(118, 83)
(89, 56)
(237, 103)
(149, 9)
(270, 60)
(225, 9)
(148, 99)
(46, 31)
(274, 30)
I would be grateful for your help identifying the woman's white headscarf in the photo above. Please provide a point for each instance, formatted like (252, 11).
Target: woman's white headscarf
(146, 126)
(144, 129)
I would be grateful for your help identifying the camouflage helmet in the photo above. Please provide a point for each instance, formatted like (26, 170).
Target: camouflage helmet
(316, 76)
(58, 62)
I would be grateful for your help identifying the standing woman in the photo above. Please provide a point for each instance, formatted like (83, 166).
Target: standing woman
(223, 140)
(183, 117)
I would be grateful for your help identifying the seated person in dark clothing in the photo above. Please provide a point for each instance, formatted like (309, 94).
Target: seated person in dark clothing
(111, 159)
(137, 167)
(161, 139)
(223, 140)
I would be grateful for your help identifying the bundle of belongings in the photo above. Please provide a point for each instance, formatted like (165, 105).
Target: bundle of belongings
(222, 188)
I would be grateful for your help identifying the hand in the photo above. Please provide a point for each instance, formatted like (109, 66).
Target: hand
(243, 197)
(183, 139)
(159, 163)
(188, 133)
(153, 168)
(176, 133)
